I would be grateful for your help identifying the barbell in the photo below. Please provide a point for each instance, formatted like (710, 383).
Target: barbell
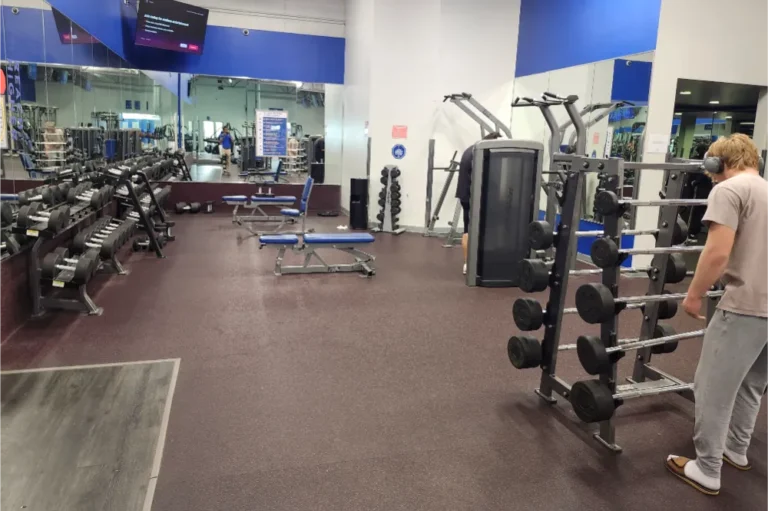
(596, 304)
(606, 254)
(608, 203)
(541, 234)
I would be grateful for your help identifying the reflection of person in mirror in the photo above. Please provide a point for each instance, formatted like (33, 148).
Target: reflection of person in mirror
(225, 146)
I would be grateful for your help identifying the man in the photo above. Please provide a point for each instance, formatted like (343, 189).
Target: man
(732, 374)
(225, 145)
(464, 189)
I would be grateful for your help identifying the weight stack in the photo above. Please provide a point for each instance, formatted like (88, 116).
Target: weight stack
(358, 204)
(389, 201)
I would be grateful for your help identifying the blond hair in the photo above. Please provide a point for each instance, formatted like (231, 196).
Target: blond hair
(737, 152)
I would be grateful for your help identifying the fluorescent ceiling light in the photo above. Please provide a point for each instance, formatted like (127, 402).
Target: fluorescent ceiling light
(747, 123)
(230, 80)
(729, 117)
(678, 113)
(714, 102)
(298, 84)
(685, 93)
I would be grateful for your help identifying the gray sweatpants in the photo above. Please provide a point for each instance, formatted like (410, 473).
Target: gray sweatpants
(730, 381)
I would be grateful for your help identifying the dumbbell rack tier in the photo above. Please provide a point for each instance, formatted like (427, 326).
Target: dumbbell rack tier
(40, 301)
(387, 215)
(124, 178)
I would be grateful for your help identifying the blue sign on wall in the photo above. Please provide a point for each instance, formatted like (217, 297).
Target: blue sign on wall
(398, 151)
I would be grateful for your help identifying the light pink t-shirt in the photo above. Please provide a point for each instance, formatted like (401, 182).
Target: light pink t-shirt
(741, 203)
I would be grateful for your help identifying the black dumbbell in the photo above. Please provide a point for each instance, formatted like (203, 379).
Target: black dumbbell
(8, 213)
(395, 202)
(395, 187)
(382, 203)
(195, 207)
(181, 207)
(395, 195)
(33, 214)
(384, 173)
(58, 260)
(394, 173)
(383, 180)
(45, 194)
(380, 217)
(395, 211)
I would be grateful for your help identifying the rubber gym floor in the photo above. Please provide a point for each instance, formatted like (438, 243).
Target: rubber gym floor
(334, 392)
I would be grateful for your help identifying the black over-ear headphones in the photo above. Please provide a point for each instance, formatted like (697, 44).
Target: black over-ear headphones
(713, 164)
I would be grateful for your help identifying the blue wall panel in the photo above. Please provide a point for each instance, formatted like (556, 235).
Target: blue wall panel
(262, 54)
(631, 82)
(561, 33)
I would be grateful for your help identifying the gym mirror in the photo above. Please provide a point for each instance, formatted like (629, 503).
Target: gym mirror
(218, 102)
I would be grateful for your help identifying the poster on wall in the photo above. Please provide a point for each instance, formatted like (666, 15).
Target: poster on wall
(271, 133)
(608, 142)
(15, 114)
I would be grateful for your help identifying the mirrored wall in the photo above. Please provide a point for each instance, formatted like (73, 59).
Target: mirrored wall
(613, 98)
(69, 97)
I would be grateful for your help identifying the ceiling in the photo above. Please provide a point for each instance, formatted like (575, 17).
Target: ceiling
(733, 97)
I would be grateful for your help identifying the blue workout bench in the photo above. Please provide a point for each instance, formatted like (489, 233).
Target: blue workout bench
(287, 215)
(344, 242)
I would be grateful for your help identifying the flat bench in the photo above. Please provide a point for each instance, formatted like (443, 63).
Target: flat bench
(255, 203)
(308, 244)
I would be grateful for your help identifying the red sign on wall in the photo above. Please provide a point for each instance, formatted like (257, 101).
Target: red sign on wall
(399, 131)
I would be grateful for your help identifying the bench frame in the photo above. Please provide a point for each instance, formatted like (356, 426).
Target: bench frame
(363, 260)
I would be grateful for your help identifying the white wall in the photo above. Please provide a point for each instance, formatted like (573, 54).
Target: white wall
(357, 77)
(334, 125)
(315, 17)
(740, 56)
(419, 52)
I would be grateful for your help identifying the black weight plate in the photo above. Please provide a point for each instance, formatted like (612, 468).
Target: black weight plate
(604, 253)
(524, 352)
(680, 233)
(592, 401)
(534, 275)
(96, 200)
(195, 207)
(6, 211)
(592, 355)
(607, 203)
(180, 207)
(540, 235)
(595, 303)
(676, 269)
(663, 331)
(48, 268)
(528, 314)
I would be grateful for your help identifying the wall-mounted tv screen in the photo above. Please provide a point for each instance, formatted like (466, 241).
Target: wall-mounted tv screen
(171, 25)
(71, 33)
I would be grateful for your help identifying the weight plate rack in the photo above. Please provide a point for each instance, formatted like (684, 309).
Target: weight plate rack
(390, 201)
(596, 400)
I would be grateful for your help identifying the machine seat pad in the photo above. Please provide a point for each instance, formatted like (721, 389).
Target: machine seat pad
(9, 196)
(290, 212)
(338, 238)
(278, 239)
(234, 198)
(279, 199)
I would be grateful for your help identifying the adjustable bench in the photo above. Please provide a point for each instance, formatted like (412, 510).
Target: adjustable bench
(344, 242)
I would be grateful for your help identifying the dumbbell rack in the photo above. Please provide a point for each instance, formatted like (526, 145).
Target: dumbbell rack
(41, 302)
(125, 177)
(387, 215)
